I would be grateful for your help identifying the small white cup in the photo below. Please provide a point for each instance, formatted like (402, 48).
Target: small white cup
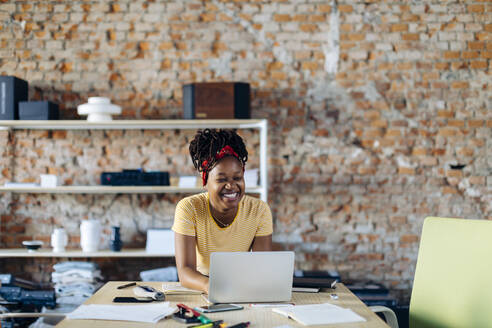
(49, 181)
(59, 240)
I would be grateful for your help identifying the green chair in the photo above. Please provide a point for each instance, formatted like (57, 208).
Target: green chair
(453, 279)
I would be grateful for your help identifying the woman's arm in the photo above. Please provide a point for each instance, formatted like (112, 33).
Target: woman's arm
(262, 243)
(186, 263)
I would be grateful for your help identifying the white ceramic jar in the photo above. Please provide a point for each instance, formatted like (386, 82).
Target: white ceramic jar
(90, 235)
(59, 240)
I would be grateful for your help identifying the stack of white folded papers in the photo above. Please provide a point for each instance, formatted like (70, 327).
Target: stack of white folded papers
(150, 313)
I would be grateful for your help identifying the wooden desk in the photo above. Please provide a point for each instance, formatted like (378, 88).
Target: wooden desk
(259, 317)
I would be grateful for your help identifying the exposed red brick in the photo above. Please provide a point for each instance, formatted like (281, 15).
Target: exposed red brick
(409, 238)
(399, 27)
(282, 18)
(476, 8)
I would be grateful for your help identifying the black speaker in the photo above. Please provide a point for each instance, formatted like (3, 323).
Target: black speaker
(216, 100)
(12, 91)
(38, 110)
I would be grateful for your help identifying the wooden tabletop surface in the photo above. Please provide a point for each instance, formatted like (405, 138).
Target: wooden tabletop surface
(257, 316)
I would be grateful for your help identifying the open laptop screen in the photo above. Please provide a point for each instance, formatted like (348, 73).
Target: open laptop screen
(237, 277)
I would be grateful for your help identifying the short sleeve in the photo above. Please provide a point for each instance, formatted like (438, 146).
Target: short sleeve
(265, 226)
(184, 218)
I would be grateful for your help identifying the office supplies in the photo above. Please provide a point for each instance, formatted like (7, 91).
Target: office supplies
(314, 282)
(270, 304)
(333, 274)
(305, 289)
(218, 308)
(213, 324)
(240, 325)
(237, 277)
(319, 314)
(147, 291)
(126, 285)
(123, 299)
(185, 316)
(175, 288)
(203, 319)
(151, 313)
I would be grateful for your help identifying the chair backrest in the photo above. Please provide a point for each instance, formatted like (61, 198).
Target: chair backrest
(453, 278)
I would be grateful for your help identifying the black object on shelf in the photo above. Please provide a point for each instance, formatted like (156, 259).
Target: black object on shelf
(20, 296)
(135, 178)
(216, 100)
(12, 91)
(115, 242)
(38, 110)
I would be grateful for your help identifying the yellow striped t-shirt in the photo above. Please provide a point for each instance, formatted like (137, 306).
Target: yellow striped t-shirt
(193, 218)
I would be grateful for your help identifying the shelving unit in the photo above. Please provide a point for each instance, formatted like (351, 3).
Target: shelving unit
(22, 252)
(111, 190)
(261, 125)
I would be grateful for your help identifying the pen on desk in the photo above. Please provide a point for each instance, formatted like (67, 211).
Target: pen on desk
(209, 325)
(240, 325)
(126, 285)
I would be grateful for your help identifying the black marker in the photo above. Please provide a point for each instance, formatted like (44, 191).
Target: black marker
(127, 285)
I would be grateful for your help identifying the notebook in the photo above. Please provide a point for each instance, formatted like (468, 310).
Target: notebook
(319, 314)
(245, 277)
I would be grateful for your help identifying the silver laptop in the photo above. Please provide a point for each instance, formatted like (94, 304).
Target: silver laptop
(237, 277)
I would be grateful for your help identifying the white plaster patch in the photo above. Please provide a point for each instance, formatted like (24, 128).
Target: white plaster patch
(332, 48)
(221, 66)
(405, 162)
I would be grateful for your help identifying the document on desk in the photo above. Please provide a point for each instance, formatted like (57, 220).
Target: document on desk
(319, 314)
(151, 313)
(175, 288)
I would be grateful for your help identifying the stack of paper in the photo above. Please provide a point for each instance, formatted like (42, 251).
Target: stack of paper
(319, 314)
(175, 288)
(151, 313)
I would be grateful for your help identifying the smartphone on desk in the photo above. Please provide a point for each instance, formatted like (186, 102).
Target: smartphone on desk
(218, 308)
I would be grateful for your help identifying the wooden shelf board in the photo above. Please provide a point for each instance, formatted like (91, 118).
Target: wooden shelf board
(112, 190)
(22, 252)
(129, 124)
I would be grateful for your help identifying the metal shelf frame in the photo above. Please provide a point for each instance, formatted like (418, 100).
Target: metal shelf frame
(261, 125)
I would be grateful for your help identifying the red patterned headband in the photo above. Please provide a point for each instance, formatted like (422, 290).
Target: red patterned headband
(226, 151)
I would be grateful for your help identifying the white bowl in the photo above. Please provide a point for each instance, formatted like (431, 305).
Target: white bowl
(32, 245)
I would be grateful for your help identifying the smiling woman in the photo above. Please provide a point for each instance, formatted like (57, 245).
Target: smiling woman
(222, 219)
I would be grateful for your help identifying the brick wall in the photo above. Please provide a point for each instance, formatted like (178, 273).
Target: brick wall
(370, 105)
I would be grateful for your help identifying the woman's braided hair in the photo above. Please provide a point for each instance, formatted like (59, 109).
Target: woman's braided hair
(209, 142)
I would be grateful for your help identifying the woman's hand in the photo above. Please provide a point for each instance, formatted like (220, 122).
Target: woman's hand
(186, 263)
